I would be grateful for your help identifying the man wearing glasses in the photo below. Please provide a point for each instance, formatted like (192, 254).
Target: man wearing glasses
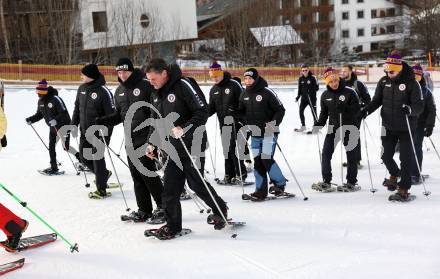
(401, 99)
(307, 88)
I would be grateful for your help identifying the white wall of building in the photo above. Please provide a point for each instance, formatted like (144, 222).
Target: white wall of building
(353, 24)
(167, 20)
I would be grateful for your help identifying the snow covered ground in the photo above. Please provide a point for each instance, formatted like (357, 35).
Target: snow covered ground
(345, 235)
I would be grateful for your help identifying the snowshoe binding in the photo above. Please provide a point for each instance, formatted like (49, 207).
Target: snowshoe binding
(323, 187)
(402, 195)
(158, 217)
(391, 183)
(348, 187)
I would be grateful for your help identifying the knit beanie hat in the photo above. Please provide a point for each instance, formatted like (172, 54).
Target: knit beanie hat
(330, 74)
(41, 88)
(418, 71)
(215, 69)
(124, 64)
(91, 71)
(251, 72)
(394, 62)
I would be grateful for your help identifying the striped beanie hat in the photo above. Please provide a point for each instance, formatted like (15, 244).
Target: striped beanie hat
(215, 69)
(418, 71)
(394, 62)
(330, 74)
(41, 88)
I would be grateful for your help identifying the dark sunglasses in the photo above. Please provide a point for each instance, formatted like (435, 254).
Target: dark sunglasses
(390, 72)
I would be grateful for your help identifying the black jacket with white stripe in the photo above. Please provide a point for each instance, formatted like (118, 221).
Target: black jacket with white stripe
(135, 89)
(307, 87)
(182, 102)
(392, 94)
(51, 107)
(343, 100)
(224, 97)
(93, 100)
(259, 105)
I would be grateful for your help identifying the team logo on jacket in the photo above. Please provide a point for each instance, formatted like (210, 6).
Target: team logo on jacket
(50, 105)
(227, 91)
(342, 98)
(171, 98)
(94, 95)
(216, 93)
(402, 87)
(258, 98)
(122, 94)
(136, 92)
(308, 82)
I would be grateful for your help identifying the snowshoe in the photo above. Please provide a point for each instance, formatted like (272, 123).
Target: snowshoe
(29, 242)
(391, 183)
(98, 195)
(51, 172)
(158, 217)
(136, 216)
(283, 195)
(81, 167)
(225, 181)
(301, 129)
(323, 187)
(165, 233)
(114, 185)
(348, 187)
(8, 267)
(185, 196)
(13, 241)
(402, 195)
(276, 190)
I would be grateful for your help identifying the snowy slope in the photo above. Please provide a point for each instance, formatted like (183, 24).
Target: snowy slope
(349, 235)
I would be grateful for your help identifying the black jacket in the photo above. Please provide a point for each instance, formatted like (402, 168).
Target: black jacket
(51, 107)
(427, 117)
(346, 98)
(360, 89)
(93, 100)
(392, 94)
(183, 97)
(135, 89)
(260, 105)
(307, 87)
(224, 97)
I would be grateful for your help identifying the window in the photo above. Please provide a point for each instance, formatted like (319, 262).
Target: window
(373, 31)
(304, 18)
(391, 12)
(345, 15)
(145, 21)
(346, 33)
(374, 46)
(99, 22)
(391, 29)
(344, 1)
(360, 14)
(360, 1)
(373, 13)
(361, 32)
(358, 49)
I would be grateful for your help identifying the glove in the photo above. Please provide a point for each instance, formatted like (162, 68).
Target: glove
(296, 99)
(28, 121)
(406, 109)
(428, 131)
(52, 123)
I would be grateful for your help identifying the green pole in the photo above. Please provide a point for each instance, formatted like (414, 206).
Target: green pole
(73, 247)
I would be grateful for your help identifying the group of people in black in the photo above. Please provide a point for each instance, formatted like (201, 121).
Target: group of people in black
(171, 111)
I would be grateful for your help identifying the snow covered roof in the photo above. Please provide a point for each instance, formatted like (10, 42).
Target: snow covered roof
(276, 35)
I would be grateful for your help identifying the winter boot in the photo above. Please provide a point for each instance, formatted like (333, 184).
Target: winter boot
(99, 195)
(217, 219)
(158, 217)
(400, 195)
(165, 232)
(416, 180)
(348, 187)
(323, 187)
(276, 190)
(301, 129)
(226, 180)
(391, 183)
(139, 216)
(258, 196)
(11, 244)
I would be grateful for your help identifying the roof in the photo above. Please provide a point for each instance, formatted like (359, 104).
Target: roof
(212, 12)
(276, 35)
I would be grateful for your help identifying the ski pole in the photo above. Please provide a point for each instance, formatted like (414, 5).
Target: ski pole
(114, 168)
(212, 161)
(42, 141)
(426, 193)
(237, 155)
(342, 149)
(84, 172)
(67, 151)
(206, 186)
(120, 159)
(317, 134)
(291, 171)
(215, 149)
(372, 189)
(433, 145)
(120, 148)
(73, 247)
